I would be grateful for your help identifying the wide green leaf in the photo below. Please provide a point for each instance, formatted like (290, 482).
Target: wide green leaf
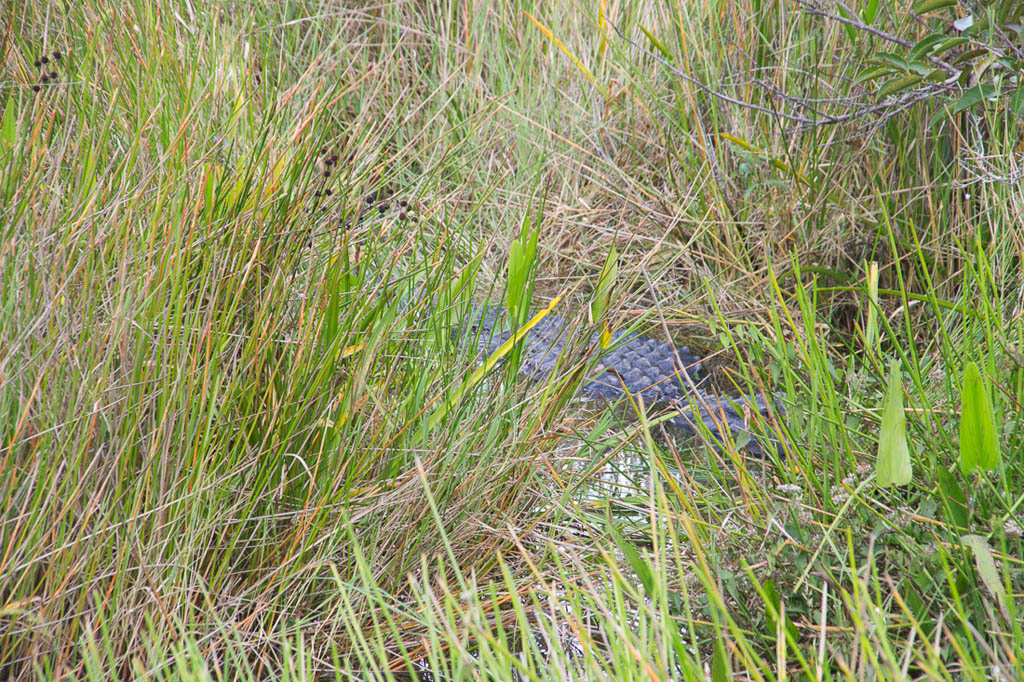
(979, 447)
(892, 59)
(869, 12)
(973, 96)
(926, 6)
(9, 125)
(953, 499)
(851, 32)
(893, 464)
(949, 44)
(924, 46)
(904, 82)
(987, 570)
(968, 56)
(872, 73)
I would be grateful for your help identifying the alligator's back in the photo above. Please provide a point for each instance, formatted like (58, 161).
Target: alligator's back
(661, 373)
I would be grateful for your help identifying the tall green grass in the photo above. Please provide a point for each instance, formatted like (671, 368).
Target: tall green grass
(240, 442)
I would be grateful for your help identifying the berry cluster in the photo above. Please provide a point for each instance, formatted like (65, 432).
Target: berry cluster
(328, 162)
(44, 64)
(381, 199)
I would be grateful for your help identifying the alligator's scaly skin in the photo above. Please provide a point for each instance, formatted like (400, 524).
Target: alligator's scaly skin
(645, 366)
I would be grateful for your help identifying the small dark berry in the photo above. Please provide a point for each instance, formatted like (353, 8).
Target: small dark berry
(328, 162)
(323, 151)
(403, 203)
(382, 207)
(37, 63)
(53, 75)
(369, 199)
(401, 216)
(57, 55)
(328, 192)
(36, 88)
(45, 79)
(334, 158)
(45, 60)
(327, 173)
(316, 193)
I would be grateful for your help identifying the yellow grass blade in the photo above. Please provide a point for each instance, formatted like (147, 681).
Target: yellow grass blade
(777, 162)
(478, 375)
(565, 50)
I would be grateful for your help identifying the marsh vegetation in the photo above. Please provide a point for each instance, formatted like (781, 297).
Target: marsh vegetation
(234, 447)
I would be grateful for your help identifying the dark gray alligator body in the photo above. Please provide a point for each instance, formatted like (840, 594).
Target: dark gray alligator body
(643, 366)
(664, 375)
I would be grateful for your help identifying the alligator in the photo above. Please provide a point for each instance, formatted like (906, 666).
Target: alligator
(664, 375)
